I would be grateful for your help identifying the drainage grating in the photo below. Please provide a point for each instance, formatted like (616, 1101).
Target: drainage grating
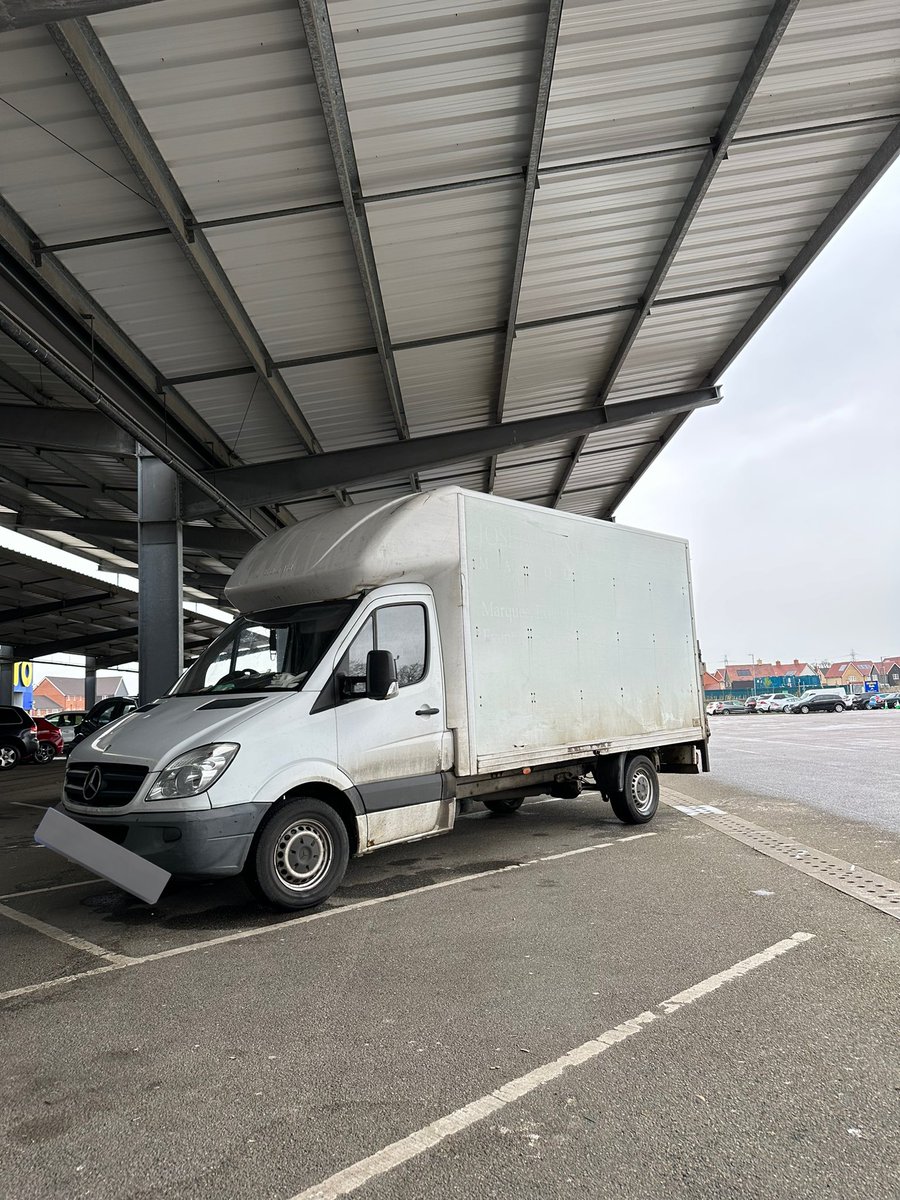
(874, 890)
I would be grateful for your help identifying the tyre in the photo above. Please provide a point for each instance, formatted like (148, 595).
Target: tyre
(639, 799)
(299, 855)
(804, 708)
(839, 708)
(45, 753)
(503, 808)
(10, 756)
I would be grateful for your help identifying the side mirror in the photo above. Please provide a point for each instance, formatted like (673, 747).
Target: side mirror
(381, 675)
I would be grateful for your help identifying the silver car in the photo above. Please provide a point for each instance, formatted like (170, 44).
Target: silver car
(66, 723)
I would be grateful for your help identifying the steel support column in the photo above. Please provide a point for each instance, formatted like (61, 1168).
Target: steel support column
(160, 611)
(90, 682)
(7, 658)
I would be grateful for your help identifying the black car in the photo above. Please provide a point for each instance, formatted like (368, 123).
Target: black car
(103, 712)
(865, 700)
(819, 702)
(18, 736)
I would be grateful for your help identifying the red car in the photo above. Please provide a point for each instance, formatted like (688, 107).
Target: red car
(50, 741)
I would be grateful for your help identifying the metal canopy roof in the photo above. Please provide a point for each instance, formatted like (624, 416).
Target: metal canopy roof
(286, 229)
(50, 609)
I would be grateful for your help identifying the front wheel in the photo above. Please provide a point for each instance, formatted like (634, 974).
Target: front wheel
(639, 798)
(804, 708)
(9, 757)
(300, 854)
(503, 808)
(839, 708)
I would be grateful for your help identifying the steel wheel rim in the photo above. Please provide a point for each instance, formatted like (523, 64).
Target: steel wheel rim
(7, 756)
(44, 753)
(303, 855)
(642, 791)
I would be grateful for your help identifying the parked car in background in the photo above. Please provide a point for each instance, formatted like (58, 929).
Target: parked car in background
(50, 741)
(889, 700)
(728, 708)
(103, 712)
(764, 703)
(67, 722)
(18, 739)
(864, 700)
(824, 700)
(779, 702)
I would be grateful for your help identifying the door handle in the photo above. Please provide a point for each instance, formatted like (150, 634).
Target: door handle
(427, 711)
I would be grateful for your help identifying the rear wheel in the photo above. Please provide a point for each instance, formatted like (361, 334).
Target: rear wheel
(503, 808)
(10, 756)
(45, 753)
(638, 800)
(300, 854)
(839, 708)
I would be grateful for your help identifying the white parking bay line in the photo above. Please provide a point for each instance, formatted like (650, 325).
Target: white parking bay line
(394, 1155)
(56, 887)
(244, 934)
(60, 935)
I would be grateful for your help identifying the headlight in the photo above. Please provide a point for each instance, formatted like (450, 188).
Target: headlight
(193, 772)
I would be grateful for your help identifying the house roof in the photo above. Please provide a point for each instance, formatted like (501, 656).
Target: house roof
(738, 672)
(838, 669)
(73, 686)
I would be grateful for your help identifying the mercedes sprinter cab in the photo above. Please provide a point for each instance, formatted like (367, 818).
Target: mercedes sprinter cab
(392, 662)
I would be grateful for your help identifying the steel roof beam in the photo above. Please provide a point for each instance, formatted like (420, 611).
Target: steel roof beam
(82, 51)
(20, 14)
(68, 645)
(767, 43)
(290, 479)
(202, 540)
(62, 429)
(26, 611)
(323, 56)
(542, 100)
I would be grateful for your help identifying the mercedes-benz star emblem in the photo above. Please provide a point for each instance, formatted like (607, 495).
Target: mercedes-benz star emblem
(92, 784)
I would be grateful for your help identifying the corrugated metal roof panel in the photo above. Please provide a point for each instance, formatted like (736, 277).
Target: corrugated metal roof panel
(836, 61)
(531, 479)
(151, 292)
(639, 75)
(589, 503)
(345, 401)
(596, 234)
(678, 344)
(228, 94)
(472, 473)
(446, 260)
(12, 354)
(388, 490)
(608, 468)
(764, 204)
(297, 278)
(62, 172)
(245, 416)
(621, 436)
(438, 90)
(450, 386)
(305, 509)
(558, 367)
(530, 454)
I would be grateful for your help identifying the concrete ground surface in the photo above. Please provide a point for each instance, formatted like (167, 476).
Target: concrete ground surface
(414, 1046)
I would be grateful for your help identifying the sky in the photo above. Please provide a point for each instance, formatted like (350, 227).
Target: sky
(789, 489)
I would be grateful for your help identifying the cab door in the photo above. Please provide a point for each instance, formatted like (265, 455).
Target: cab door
(394, 750)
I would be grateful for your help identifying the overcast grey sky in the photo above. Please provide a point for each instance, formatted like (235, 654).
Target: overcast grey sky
(789, 490)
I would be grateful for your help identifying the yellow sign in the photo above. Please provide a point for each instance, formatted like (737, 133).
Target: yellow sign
(23, 674)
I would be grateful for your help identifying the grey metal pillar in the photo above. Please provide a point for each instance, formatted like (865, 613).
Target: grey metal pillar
(90, 682)
(160, 612)
(7, 658)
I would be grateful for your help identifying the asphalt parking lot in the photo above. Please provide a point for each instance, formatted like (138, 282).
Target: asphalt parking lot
(546, 1005)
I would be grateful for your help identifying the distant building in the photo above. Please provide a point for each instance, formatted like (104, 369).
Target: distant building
(739, 680)
(888, 672)
(850, 675)
(62, 693)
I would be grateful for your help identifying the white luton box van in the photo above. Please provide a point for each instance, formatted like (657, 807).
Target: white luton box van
(395, 662)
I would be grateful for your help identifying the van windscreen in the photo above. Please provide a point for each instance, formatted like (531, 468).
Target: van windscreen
(264, 652)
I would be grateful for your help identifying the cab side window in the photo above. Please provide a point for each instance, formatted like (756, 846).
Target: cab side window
(400, 628)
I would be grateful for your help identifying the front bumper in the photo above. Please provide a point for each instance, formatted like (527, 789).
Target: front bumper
(199, 843)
